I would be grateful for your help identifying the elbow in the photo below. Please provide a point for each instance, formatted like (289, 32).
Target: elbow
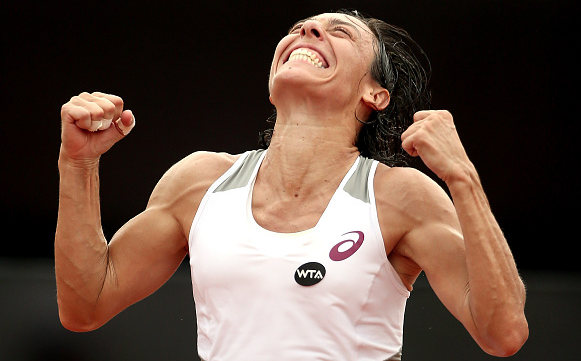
(78, 323)
(509, 341)
(508, 348)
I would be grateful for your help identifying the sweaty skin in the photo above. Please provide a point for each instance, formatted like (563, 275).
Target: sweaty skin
(458, 244)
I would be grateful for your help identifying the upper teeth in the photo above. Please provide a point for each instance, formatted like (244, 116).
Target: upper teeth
(306, 55)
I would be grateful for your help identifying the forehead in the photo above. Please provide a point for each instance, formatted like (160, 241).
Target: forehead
(344, 17)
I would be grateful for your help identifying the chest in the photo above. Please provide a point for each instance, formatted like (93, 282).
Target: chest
(291, 210)
(287, 216)
(229, 250)
(266, 290)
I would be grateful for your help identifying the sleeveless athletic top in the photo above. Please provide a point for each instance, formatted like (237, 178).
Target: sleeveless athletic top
(326, 293)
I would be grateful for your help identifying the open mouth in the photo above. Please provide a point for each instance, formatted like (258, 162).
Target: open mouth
(308, 56)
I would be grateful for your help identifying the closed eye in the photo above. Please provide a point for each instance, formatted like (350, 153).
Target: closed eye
(343, 30)
(295, 28)
(334, 23)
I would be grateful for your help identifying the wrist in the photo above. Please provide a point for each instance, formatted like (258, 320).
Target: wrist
(467, 188)
(463, 176)
(66, 161)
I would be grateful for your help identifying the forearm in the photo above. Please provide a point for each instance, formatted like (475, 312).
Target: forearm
(81, 252)
(496, 294)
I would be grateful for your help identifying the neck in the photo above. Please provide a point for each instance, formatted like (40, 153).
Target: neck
(309, 152)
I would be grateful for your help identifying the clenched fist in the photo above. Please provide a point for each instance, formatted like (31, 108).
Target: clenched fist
(92, 124)
(434, 138)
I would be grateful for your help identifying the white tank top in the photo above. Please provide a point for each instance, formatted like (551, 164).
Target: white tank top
(326, 293)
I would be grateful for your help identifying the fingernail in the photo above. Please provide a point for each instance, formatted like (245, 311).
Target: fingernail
(123, 128)
(106, 124)
(95, 125)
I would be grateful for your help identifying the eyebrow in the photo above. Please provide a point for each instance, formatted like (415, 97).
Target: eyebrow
(331, 22)
(337, 21)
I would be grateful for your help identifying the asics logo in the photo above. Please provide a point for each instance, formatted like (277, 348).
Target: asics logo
(339, 253)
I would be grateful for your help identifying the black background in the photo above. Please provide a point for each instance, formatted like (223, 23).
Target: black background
(195, 74)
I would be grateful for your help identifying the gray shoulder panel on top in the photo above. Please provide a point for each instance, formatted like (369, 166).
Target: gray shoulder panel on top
(241, 176)
(356, 186)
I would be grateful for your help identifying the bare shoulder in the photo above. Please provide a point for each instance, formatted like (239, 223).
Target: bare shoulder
(205, 164)
(409, 191)
(398, 176)
(196, 170)
(409, 201)
(183, 186)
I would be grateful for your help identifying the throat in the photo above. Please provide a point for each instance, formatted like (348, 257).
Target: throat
(290, 214)
(284, 201)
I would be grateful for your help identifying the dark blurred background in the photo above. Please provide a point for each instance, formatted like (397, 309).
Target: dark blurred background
(195, 74)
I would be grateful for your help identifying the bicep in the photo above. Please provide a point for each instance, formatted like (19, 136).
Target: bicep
(429, 237)
(438, 249)
(148, 249)
(142, 256)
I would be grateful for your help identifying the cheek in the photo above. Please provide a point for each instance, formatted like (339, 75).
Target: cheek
(282, 45)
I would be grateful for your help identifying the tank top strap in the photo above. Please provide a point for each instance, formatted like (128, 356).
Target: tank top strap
(358, 183)
(241, 176)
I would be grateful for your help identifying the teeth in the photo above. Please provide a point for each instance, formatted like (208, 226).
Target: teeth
(307, 56)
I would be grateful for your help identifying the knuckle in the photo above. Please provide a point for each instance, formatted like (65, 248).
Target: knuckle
(77, 100)
(109, 110)
(422, 134)
(118, 101)
(97, 114)
(445, 114)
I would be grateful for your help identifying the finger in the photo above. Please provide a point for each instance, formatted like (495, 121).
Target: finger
(95, 126)
(97, 113)
(108, 100)
(105, 124)
(75, 114)
(115, 100)
(125, 123)
(408, 139)
(109, 108)
(422, 114)
(108, 112)
(411, 130)
(408, 146)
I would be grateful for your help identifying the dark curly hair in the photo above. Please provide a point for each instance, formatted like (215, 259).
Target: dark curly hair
(398, 68)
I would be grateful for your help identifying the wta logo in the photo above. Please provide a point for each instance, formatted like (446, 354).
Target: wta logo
(310, 274)
(346, 248)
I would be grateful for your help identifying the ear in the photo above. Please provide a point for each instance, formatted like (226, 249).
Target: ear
(376, 98)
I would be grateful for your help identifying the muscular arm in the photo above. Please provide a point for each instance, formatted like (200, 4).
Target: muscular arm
(97, 279)
(465, 258)
(495, 296)
(459, 245)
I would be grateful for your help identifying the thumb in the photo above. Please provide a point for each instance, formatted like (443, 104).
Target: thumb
(118, 130)
(125, 123)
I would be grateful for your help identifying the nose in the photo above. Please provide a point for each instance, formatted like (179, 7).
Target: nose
(312, 28)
